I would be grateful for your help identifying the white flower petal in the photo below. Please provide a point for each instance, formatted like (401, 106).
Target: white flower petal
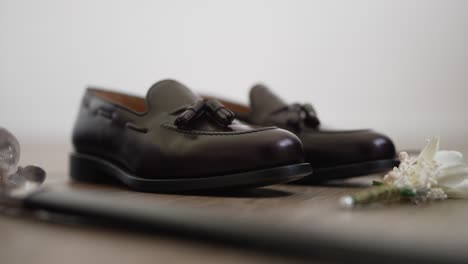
(453, 173)
(448, 158)
(430, 150)
(452, 176)
(458, 191)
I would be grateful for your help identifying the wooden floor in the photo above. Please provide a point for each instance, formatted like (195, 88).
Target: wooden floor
(440, 224)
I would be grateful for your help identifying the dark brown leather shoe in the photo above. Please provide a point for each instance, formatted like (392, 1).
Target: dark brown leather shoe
(175, 141)
(332, 153)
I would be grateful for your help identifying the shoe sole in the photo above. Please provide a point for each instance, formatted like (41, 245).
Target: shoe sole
(348, 171)
(89, 168)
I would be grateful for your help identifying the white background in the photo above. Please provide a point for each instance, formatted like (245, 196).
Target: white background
(397, 66)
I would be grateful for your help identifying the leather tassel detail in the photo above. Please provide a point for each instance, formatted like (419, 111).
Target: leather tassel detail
(220, 113)
(311, 119)
(189, 114)
(296, 116)
(213, 108)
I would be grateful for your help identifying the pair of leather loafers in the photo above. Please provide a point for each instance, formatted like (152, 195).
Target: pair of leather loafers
(174, 140)
(332, 153)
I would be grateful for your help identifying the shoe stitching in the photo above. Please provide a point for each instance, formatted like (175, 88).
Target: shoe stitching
(213, 133)
(112, 116)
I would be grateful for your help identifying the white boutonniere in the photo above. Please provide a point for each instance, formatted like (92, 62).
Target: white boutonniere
(433, 175)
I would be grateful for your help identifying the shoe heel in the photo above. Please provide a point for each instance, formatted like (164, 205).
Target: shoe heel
(85, 169)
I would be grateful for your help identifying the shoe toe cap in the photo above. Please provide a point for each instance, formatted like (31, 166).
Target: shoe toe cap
(253, 151)
(276, 147)
(347, 147)
(376, 146)
(217, 154)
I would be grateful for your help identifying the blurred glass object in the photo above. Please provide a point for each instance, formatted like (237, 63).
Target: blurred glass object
(14, 178)
(27, 178)
(9, 153)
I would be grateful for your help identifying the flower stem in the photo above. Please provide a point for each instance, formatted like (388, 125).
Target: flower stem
(382, 193)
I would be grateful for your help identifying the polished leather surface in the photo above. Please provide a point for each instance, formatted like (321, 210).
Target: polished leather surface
(144, 141)
(323, 147)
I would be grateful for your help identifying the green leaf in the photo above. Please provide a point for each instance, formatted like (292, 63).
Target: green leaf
(408, 192)
(377, 183)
